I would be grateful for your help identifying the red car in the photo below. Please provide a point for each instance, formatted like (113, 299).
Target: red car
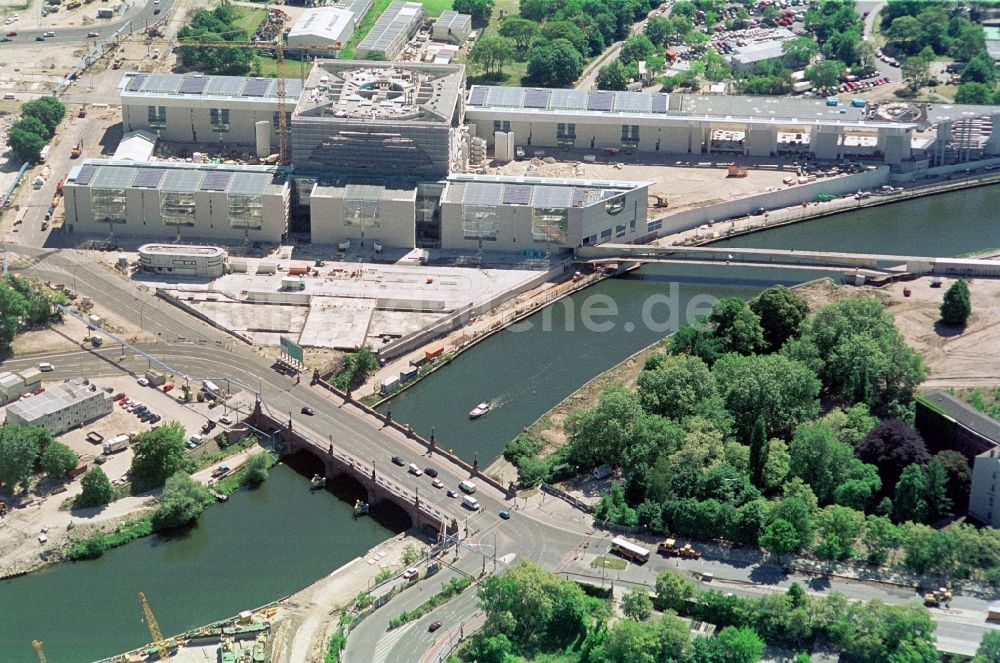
(12, 33)
(434, 626)
(120, 395)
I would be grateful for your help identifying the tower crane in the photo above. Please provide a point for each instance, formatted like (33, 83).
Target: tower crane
(162, 646)
(279, 55)
(37, 644)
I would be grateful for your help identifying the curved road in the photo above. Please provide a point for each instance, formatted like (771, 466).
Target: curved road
(105, 28)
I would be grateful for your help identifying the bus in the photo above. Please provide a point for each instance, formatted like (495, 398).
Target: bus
(629, 551)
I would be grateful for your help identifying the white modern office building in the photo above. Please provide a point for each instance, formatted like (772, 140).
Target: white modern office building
(172, 200)
(207, 262)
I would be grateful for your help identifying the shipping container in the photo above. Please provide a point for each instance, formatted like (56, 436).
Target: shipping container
(407, 376)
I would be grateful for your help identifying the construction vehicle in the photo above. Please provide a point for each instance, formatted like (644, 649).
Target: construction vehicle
(734, 170)
(159, 644)
(37, 644)
(658, 201)
(77, 150)
(668, 547)
(935, 597)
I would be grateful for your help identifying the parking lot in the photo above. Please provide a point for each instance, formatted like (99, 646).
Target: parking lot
(193, 416)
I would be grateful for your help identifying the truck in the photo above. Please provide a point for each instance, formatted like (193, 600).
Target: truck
(77, 150)
(670, 547)
(44, 154)
(936, 597)
(116, 444)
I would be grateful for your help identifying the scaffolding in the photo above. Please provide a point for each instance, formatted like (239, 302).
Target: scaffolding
(246, 211)
(177, 208)
(108, 205)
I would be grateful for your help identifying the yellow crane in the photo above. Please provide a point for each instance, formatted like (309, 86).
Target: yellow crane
(279, 55)
(37, 644)
(158, 642)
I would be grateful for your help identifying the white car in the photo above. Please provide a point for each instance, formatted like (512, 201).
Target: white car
(143, 382)
(437, 483)
(225, 421)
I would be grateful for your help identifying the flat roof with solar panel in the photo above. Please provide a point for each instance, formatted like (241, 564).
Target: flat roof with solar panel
(534, 192)
(186, 86)
(176, 177)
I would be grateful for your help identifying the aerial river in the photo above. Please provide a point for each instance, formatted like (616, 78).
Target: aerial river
(267, 543)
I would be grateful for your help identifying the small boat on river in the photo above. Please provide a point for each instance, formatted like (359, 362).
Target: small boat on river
(480, 410)
(317, 482)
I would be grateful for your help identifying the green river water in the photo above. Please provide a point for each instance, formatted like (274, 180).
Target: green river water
(264, 544)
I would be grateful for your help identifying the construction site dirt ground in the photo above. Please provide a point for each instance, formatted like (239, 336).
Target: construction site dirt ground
(685, 184)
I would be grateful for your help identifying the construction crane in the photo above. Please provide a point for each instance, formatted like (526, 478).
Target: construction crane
(279, 55)
(158, 642)
(37, 644)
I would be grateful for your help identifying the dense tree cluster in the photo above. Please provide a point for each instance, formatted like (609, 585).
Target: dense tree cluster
(36, 126)
(182, 501)
(722, 438)
(215, 26)
(21, 449)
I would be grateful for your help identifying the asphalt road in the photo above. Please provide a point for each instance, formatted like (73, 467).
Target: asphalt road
(140, 15)
(192, 347)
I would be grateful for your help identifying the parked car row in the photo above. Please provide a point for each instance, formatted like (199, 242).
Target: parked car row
(138, 409)
(892, 62)
(857, 86)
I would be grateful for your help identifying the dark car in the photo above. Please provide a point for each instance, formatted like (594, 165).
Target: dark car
(91, 35)
(431, 472)
(452, 493)
(434, 626)
(505, 514)
(6, 39)
(154, 418)
(398, 460)
(39, 38)
(308, 410)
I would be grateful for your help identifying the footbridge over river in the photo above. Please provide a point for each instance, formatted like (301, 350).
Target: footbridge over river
(790, 259)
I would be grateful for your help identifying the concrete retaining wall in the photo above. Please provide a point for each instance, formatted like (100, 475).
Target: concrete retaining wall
(165, 296)
(835, 186)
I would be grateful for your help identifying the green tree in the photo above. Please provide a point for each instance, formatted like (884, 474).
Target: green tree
(782, 391)
(637, 605)
(97, 490)
(496, 648)
(736, 326)
(491, 53)
(480, 10)
(612, 76)
(974, 94)
(777, 466)
(58, 460)
(742, 645)
(981, 69)
(780, 537)
(521, 30)
(989, 648)
(758, 453)
(936, 491)
(12, 307)
(628, 641)
(554, 63)
(851, 425)
(879, 536)
(957, 306)
(183, 499)
(825, 74)
(673, 591)
(660, 30)
(159, 454)
(679, 387)
(799, 52)
(25, 139)
(781, 313)
(256, 469)
(910, 503)
(636, 48)
(602, 433)
(838, 527)
(376, 56)
(927, 549)
(819, 459)
(49, 111)
(18, 452)
(569, 31)
(916, 70)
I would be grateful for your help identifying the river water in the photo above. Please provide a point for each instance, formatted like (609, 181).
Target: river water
(527, 372)
(259, 546)
(267, 543)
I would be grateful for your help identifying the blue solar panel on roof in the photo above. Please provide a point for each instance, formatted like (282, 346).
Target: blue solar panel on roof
(569, 99)
(600, 100)
(478, 96)
(136, 83)
(192, 85)
(517, 194)
(256, 87)
(85, 174)
(148, 178)
(215, 181)
(659, 103)
(537, 98)
(631, 102)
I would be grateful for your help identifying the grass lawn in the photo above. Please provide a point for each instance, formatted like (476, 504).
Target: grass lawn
(514, 71)
(248, 19)
(435, 7)
(610, 563)
(293, 68)
(364, 28)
